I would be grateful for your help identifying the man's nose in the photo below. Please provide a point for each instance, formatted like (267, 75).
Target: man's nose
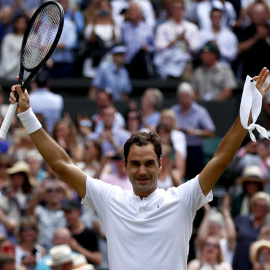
(142, 170)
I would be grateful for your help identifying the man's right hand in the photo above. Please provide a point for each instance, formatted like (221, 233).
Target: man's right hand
(23, 98)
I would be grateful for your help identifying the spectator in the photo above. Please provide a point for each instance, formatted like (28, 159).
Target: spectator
(211, 257)
(62, 236)
(118, 178)
(212, 79)
(7, 247)
(112, 75)
(60, 258)
(254, 38)
(201, 15)
(65, 134)
(176, 40)
(84, 126)
(195, 121)
(151, 103)
(133, 121)
(260, 254)
(22, 185)
(104, 99)
(50, 215)
(36, 162)
(248, 229)
(11, 50)
(253, 153)
(251, 182)
(44, 102)
(111, 139)
(138, 38)
(218, 223)
(85, 240)
(226, 40)
(7, 262)
(27, 251)
(100, 35)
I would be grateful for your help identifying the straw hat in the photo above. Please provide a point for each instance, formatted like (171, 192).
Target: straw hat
(253, 174)
(79, 262)
(60, 254)
(21, 166)
(255, 248)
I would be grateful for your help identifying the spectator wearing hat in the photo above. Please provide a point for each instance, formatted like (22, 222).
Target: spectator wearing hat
(248, 228)
(44, 102)
(79, 262)
(22, 185)
(253, 153)
(212, 79)
(85, 240)
(60, 257)
(113, 75)
(251, 182)
(260, 254)
(195, 121)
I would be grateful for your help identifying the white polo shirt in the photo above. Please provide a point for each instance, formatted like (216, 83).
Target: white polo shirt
(152, 233)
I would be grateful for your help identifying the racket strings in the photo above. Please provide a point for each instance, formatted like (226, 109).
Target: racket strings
(41, 36)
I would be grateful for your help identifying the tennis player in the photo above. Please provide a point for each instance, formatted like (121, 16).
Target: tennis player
(146, 228)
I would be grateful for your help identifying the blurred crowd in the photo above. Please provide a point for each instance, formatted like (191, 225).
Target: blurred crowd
(210, 46)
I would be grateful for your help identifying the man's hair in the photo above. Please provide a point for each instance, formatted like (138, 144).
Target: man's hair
(4, 259)
(141, 139)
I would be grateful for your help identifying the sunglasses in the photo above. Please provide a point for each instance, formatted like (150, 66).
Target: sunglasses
(26, 229)
(207, 244)
(51, 190)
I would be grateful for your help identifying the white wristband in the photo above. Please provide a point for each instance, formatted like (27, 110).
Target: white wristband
(29, 121)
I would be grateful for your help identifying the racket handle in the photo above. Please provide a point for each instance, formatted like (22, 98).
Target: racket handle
(7, 120)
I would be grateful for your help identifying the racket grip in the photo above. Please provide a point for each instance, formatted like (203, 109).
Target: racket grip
(7, 120)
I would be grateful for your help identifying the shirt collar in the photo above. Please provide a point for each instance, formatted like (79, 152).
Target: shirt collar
(149, 197)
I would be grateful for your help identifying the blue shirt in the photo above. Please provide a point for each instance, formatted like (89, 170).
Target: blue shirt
(108, 76)
(136, 36)
(197, 118)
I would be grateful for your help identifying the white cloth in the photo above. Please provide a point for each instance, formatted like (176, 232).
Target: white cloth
(251, 102)
(137, 231)
(171, 61)
(179, 142)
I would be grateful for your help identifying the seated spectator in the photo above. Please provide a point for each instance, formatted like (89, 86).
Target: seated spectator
(104, 99)
(195, 121)
(85, 240)
(22, 185)
(151, 103)
(225, 38)
(65, 134)
(251, 182)
(133, 120)
(253, 153)
(248, 229)
(138, 38)
(51, 193)
(44, 102)
(7, 262)
(11, 50)
(7, 247)
(111, 139)
(100, 35)
(27, 251)
(212, 79)
(176, 40)
(112, 75)
(260, 254)
(211, 257)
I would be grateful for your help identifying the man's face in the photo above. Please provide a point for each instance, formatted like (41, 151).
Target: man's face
(72, 216)
(142, 168)
(108, 116)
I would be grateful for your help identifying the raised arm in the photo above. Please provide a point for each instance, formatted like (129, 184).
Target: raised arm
(53, 154)
(228, 146)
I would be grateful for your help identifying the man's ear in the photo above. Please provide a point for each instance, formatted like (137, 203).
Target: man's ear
(124, 166)
(160, 166)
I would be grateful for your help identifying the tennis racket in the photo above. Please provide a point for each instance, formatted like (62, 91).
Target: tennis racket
(39, 41)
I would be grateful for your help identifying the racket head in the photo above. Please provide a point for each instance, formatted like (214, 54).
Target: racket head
(41, 37)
